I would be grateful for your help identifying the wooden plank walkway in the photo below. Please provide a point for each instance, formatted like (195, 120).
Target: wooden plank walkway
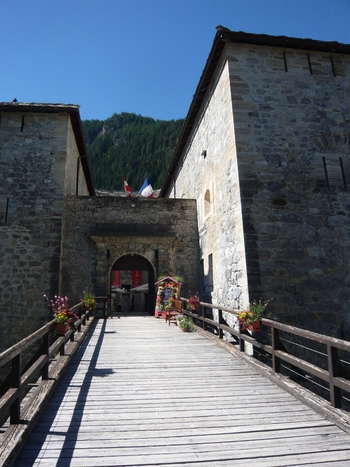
(141, 393)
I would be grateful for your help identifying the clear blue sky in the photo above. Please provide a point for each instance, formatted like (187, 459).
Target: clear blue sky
(141, 56)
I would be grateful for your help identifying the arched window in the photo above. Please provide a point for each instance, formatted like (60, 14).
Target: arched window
(207, 203)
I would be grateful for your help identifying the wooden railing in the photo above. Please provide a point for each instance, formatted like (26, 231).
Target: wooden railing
(22, 389)
(303, 354)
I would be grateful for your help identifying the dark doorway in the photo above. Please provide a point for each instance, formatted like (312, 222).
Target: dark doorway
(132, 285)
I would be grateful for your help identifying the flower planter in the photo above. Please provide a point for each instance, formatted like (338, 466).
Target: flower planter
(254, 326)
(62, 328)
(195, 306)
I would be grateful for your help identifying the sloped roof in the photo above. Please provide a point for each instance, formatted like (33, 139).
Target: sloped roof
(222, 36)
(73, 111)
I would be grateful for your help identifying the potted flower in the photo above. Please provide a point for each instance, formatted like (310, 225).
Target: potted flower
(193, 301)
(251, 319)
(185, 323)
(89, 301)
(64, 317)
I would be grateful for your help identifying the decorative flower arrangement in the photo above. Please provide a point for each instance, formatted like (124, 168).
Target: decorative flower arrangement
(184, 323)
(89, 300)
(167, 294)
(193, 301)
(61, 311)
(159, 301)
(255, 313)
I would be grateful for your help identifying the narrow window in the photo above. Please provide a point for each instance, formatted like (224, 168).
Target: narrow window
(309, 62)
(207, 203)
(333, 67)
(343, 172)
(325, 171)
(4, 203)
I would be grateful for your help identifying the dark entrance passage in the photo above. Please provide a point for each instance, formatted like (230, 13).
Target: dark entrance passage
(132, 285)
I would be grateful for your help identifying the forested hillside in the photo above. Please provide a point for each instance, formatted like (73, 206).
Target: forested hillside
(132, 146)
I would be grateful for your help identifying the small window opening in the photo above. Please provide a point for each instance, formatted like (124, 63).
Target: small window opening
(333, 67)
(309, 63)
(4, 203)
(343, 173)
(207, 203)
(325, 172)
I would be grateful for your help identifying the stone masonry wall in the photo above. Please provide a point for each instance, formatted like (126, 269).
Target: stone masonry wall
(213, 181)
(292, 124)
(33, 151)
(170, 230)
(272, 191)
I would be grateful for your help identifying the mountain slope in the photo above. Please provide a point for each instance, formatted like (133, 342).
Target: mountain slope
(132, 146)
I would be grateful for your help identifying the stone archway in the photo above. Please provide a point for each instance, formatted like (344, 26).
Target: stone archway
(127, 296)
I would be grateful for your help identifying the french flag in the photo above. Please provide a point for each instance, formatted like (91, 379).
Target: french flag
(127, 188)
(146, 189)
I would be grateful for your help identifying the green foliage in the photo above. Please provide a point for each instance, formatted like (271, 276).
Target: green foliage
(184, 322)
(132, 146)
(89, 300)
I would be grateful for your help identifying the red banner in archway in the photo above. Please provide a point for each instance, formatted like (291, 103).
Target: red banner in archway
(136, 278)
(116, 279)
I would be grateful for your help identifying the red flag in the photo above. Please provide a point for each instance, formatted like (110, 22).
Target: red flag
(127, 188)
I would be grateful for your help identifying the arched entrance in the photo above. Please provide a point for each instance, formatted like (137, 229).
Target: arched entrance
(132, 285)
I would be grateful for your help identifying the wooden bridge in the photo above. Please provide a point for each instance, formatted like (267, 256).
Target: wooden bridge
(138, 392)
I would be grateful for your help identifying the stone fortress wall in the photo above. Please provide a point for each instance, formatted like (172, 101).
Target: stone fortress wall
(212, 179)
(268, 161)
(292, 125)
(98, 231)
(38, 167)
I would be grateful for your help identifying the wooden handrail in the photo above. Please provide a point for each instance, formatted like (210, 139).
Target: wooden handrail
(333, 376)
(16, 385)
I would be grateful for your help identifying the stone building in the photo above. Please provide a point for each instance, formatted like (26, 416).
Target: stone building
(42, 160)
(57, 237)
(265, 152)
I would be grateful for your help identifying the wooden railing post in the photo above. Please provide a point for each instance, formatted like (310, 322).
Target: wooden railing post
(84, 314)
(15, 382)
(46, 351)
(81, 310)
(334, 369)
(203, 316)
(241, 341)
(62, 348)
(221, 332)
(276, 345)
